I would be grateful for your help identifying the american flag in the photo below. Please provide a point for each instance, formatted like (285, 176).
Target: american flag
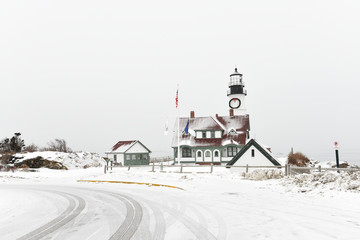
(177, 98)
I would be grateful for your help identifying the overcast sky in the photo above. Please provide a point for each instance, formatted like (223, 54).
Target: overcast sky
(95, 72)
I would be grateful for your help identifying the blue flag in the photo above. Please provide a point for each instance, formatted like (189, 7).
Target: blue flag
(186, 130)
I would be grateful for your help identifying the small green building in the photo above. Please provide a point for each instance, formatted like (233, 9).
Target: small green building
(128, 153)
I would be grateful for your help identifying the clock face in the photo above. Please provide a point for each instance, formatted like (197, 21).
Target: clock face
(234, 103)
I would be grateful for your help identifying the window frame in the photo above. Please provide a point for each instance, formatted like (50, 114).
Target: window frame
(186, 152)
(231, 151)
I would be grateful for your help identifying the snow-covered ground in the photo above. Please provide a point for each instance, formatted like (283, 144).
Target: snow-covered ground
(221, 205)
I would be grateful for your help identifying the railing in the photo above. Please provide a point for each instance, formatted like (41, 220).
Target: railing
(289, 169)
(162, 159)
(244, 92)
(236, 82)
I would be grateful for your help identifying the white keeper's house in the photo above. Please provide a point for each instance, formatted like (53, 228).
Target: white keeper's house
(214, 139)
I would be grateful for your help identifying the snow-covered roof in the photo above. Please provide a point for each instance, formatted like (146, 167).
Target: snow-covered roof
(217, 123)
(262, 148)
(122, 146)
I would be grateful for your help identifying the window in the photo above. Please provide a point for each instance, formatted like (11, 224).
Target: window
(203, 134)
(133, 156)
(199, 153)
(231, 151)
(216, 154)
(198, 134)
(143, 157)
(212, 134)
(207, 154)
(218, 134)
(115, 158)
(186, 152)
(128, 157)
(252, 152)
(208, 134)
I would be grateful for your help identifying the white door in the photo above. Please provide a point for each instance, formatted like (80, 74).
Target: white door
(207, 156)
(199, 157)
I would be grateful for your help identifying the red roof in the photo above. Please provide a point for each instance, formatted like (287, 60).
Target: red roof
(234, 130)
(122, 143)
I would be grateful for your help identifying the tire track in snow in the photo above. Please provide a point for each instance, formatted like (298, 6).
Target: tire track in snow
(65, 217)
(132, 220)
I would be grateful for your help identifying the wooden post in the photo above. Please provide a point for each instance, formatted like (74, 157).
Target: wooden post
(319, 168)
(286, 169)
(211, 169)
(289, 170)
(181, 168)
(111, 165)
(153, 167)
(247, 168)
(105, 169)
(129, 168)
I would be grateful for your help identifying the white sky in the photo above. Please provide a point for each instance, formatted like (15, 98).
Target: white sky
(95, 72)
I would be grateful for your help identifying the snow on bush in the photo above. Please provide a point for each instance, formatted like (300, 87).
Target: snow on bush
(346, 181)
(70, 160)
(263, 174)
(80, 160)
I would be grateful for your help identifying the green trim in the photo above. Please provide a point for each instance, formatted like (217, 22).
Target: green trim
(252, 142)
(137, 141)
(203, 149)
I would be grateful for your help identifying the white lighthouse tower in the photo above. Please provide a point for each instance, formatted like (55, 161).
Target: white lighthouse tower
(236, 94)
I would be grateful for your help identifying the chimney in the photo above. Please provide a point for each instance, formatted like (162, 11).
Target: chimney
(231, 112)
(217, 116)
(192, 114)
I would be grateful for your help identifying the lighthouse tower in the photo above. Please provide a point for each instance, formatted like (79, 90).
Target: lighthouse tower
(236, 94)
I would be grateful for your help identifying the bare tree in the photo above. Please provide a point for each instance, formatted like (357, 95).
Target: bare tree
(58, 145)
(31, 148)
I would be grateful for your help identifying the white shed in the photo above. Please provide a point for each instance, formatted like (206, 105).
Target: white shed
(253, 154)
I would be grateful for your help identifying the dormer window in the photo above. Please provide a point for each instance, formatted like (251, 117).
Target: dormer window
(218, 134)
(232, 132)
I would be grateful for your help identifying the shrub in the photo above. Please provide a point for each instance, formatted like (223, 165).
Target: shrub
(298, 159)
(31, 148)
(59, 145)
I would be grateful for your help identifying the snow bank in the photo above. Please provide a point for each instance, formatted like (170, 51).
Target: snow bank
(264, 174)
(344, 181)
(70, 160)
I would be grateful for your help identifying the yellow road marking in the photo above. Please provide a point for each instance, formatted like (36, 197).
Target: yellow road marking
(148, 184)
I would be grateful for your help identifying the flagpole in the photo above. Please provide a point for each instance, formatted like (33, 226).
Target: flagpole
(178, 128)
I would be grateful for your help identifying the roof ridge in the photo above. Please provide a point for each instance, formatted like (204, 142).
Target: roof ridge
(219, 123)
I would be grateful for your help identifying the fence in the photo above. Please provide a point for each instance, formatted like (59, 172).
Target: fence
(289, 169)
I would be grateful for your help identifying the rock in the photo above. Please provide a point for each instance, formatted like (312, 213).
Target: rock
(39, 162)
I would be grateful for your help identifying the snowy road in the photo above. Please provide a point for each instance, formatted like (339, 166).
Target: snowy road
(60, 212)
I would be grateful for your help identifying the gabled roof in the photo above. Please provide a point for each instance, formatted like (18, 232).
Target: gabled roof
(123, 146)
(217, 123)
(263, 150)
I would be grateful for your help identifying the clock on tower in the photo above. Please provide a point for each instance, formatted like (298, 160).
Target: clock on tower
(237, 93)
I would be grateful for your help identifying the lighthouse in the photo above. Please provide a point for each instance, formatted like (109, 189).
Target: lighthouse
(236, 94)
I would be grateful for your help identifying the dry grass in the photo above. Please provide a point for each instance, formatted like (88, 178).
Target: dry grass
(298, 159)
